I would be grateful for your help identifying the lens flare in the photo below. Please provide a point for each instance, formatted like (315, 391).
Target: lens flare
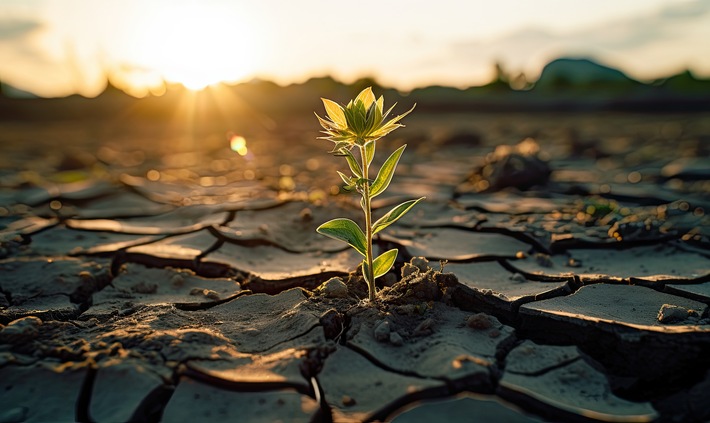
(238, 144)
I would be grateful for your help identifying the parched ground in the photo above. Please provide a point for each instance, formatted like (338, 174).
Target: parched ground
(559, 270)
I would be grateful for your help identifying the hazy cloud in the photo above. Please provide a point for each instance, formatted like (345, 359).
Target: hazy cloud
(621, 41)
(16, 28)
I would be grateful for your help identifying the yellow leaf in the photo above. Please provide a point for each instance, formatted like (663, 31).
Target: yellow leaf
(381, 104)
(335, 113)
(366, 96)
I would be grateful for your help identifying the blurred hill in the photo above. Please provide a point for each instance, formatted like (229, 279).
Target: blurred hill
(565, 84)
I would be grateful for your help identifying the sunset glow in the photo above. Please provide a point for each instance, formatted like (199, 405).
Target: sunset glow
(195, 45)
(53, 48)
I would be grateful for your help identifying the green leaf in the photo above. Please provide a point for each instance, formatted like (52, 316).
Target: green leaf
(365, 273)
(350, 116)
(394, 215)
(339, 145)
(392, 124)
(369, 152)
(335, 113)
(383, 263)
(352, 162)
(371, 118)
(356, 115)
(384, 176)
(326, 124)
(347, 231)
(348, 180)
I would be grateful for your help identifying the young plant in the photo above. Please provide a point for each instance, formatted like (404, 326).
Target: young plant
(358, 126)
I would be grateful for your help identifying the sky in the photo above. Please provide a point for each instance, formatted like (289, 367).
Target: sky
(61, 47)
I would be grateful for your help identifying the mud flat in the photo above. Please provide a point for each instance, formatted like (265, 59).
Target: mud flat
(191, 285)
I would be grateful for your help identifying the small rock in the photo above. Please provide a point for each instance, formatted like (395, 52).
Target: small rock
(544, 260)
(348, 401)
(177, 281)
(207, 293)
(409, 269)
(517, 277)
(332, 323)
(306, 215)
(382, 331)
(674, 314)
(520, 166)
(421, 263)
(334, 288)
(21, 330)
(396, 339)
(573, 263)
(87, 276)
(479, 321)
(145, 288)
(424, 328)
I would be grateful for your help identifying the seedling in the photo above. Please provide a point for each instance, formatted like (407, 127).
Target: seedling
(359, 125)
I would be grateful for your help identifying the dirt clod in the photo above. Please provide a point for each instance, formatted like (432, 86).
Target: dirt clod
(479, 321)
(332, 322)
(675, 314)
(334, 288)
(21, 330)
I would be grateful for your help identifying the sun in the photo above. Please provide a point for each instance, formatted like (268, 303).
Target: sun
(194, 44)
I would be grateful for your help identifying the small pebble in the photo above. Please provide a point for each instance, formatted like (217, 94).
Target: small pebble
(348, 401)
(517, 277)
(207, 293)
(479, 321)
(210, 294)
(421, 263)
(543, 260)
(396, 339)
(424, 328)
(306, 215)
(382, 331)
(177, 281)
(674, 314)
(334, 288)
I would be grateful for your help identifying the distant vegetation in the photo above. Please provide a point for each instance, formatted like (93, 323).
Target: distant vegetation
(564, 85)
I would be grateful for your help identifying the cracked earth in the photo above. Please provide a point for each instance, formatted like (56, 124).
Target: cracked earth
(559, 270)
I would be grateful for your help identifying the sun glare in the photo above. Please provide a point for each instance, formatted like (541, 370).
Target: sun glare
(194, 44)
(238, 144)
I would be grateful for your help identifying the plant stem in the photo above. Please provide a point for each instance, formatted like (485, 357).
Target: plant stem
(369, 277)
